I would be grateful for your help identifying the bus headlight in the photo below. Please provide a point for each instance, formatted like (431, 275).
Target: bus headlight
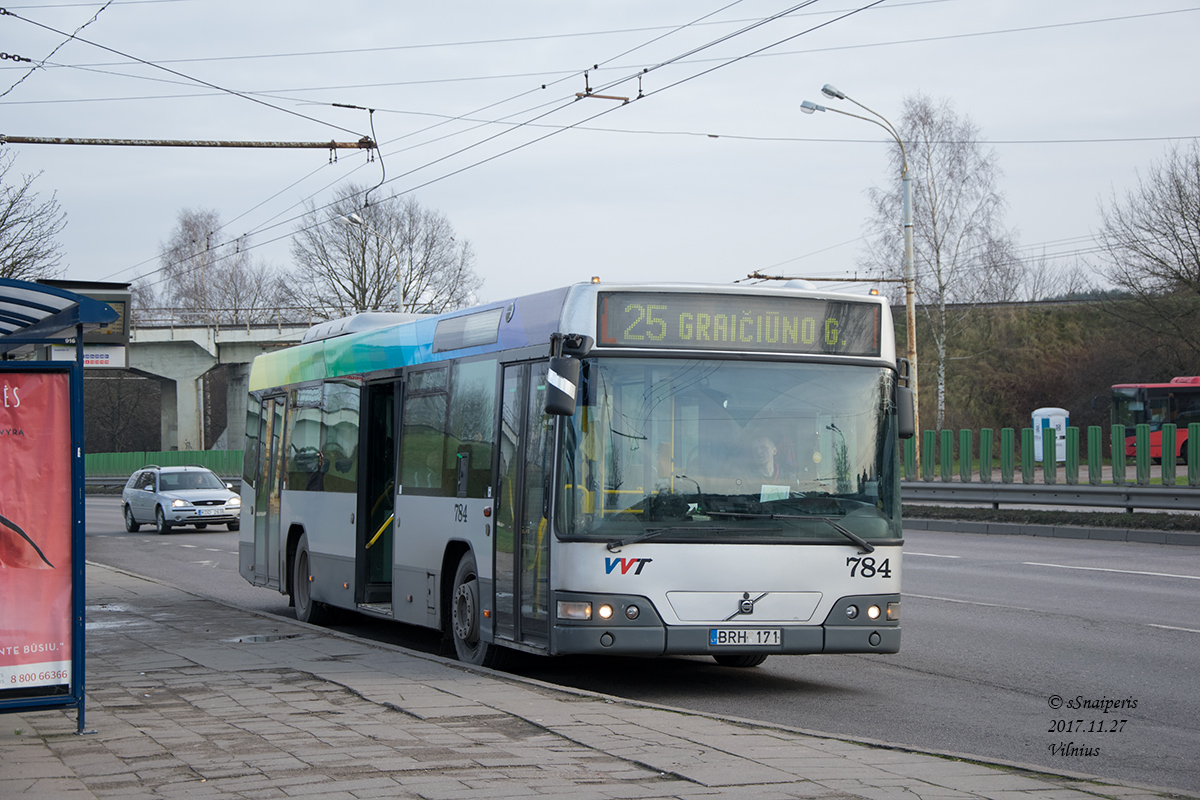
(606, 611)
(575, 609)
(873, 612)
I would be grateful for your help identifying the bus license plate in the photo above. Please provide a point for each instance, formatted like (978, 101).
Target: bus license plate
(742, 637)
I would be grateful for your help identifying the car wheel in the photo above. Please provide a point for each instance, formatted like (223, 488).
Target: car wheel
(131, 524)
(746, 660)
(160, 521)
(234, 526)
(307, 609)
(465, 618)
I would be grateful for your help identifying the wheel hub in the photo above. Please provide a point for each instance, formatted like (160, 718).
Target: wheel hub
(465, 624)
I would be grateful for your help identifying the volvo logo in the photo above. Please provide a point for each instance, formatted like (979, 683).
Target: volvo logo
(746, 605)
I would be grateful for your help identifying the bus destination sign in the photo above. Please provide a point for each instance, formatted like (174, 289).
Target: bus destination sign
(761, 323)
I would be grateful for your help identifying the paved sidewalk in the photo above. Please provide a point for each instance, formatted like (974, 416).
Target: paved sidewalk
(188, 698)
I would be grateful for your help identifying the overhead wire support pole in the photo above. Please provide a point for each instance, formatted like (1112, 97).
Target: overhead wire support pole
(365, 143)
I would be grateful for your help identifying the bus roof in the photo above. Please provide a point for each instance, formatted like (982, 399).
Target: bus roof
(373, 342)
(1186, 382)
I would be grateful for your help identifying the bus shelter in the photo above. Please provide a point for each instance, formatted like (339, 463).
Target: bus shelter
(42, 580)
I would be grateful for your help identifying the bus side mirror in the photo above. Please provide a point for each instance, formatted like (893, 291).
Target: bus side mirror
(905, 418)
(562, 384)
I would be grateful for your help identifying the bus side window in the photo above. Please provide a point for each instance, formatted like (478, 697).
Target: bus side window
(472, 426)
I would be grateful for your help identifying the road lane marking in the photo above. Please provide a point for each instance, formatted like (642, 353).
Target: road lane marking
(966, 602)
(1119, 571)
(928, 555)
(1172, 628)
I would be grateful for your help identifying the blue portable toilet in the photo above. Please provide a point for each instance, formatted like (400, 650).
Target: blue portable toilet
(1056, 418)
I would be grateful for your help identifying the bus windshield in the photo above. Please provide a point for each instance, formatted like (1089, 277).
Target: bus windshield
(725, 450)
(1130, 409)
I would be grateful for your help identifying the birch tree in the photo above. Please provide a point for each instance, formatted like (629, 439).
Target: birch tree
(206, 278)
(962, 253)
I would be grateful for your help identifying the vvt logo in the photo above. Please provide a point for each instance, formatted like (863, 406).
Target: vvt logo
(626, 564)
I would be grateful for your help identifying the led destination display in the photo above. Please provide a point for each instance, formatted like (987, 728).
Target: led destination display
(797, 325)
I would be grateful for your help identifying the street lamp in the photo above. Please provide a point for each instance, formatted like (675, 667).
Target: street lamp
(829, 90)
(354, 219)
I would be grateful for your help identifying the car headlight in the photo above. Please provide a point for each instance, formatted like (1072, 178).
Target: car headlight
(179, 503)
(233, 502)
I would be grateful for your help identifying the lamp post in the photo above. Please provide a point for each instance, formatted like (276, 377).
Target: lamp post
(354, 219)
(909, 289)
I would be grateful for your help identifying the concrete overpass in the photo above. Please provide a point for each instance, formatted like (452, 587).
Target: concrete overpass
(179, 356)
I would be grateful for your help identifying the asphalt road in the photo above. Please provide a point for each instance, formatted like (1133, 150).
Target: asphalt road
(997, 630)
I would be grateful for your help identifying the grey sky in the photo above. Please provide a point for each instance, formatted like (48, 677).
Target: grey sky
(1076, 96)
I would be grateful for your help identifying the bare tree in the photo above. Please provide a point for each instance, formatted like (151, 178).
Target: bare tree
(28, 227)
(962, 253)
(1151, 251)
(205, 278)
(350, 258)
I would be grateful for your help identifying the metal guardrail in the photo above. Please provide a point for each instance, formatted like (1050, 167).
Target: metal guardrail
(1159, 498)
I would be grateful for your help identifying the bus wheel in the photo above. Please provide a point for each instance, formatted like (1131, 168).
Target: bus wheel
(749, 660)
(307, 609)
(465, 616)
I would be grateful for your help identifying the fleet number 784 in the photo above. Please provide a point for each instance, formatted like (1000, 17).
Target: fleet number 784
(867, 568)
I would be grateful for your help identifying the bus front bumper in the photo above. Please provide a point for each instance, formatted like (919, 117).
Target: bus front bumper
(650, 636)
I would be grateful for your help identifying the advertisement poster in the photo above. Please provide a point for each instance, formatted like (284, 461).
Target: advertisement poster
(35, 533)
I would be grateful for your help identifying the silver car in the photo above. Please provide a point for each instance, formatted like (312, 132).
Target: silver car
(169, 496)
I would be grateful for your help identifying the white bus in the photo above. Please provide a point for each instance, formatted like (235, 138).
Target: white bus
(603, 469)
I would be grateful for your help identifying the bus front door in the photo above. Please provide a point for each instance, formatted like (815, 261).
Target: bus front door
(267, 567)
(522, 493)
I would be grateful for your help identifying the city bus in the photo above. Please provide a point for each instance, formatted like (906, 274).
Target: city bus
(636, 470)
(1157, 404)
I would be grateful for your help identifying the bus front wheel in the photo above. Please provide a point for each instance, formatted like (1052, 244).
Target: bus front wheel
(307, 609)
(465, 618)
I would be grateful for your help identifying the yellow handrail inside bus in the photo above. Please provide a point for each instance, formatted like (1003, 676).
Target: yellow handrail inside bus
(382, 528)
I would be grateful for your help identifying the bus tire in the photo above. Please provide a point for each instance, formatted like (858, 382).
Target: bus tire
(744, 660)
(465, 616)
(307, 609)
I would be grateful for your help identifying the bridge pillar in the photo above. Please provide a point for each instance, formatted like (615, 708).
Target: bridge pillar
(179, 366)
(236, 391)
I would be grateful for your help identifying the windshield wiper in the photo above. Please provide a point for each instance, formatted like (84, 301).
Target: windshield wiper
(866, 546)
(650, 533)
